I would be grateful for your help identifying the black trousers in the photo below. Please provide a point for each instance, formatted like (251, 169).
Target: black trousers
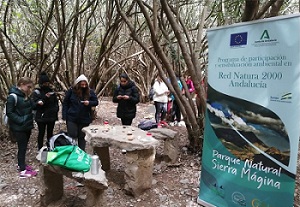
(22, 141)
(176, 114)
(75, 131)
(42, 129)
(126, 122)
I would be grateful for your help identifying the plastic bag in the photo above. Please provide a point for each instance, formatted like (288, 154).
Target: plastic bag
(72, 158)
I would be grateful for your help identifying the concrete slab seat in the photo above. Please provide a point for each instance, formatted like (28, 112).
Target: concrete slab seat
(52, 185)
(169, 137)
(140, 153)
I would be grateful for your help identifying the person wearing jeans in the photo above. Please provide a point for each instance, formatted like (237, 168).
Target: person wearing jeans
(160, 99)
(20, 121)
(77, 109)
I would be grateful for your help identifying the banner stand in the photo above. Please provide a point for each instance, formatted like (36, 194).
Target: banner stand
(251, 134)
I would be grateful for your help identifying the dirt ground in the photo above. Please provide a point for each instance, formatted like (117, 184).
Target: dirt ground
(173, 186)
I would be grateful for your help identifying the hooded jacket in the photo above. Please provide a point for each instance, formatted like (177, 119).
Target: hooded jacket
(81, 78)
(75, 111)
(20, 115)
(160, 92)
(126, 108)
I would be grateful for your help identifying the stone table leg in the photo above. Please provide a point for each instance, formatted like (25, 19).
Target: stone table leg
(103, 153)
(95, 197)
(171, 150)
(138, 170)
(52, 186)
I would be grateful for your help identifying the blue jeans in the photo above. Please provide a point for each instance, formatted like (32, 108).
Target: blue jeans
(75, 131)
(160, 111)
(22, 141)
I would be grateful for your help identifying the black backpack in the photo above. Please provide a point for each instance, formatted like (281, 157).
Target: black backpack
(60, 139)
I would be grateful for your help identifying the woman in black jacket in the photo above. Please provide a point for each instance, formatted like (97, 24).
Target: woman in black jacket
(127, 96)
(47, 109)
(77, 109)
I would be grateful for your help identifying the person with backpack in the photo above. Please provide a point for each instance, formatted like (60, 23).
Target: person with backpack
(47, 109)
(127, 97)
(160, 99)
(20, 120)
(77, 109)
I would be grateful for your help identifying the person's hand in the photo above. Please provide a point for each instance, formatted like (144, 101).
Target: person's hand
(40, 102)
(86, 103)
(119, 97)
(49, 94)
(125, 97)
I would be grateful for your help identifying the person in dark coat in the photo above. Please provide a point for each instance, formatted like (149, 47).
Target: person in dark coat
(77, 109)
(46, 110)
(127, 96)
(20, 121)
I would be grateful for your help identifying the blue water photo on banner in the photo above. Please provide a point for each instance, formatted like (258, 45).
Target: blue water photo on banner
(249, 131)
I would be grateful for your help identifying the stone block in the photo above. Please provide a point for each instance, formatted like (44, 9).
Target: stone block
(52, 185)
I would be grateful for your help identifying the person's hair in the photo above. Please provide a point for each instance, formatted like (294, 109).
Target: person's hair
(24, 81)
(82, 93)
(124, 75)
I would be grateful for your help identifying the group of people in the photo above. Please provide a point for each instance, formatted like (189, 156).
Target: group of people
(165, 102)
(41, 104)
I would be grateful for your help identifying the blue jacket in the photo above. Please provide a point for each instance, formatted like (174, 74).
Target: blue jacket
(180, 86)
(127, 108)
(20, 116)
(75, 111)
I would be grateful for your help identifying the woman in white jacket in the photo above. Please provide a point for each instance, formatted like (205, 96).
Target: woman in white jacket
(160, 99)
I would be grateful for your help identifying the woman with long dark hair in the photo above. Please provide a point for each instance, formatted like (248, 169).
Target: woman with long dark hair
(76, 109)
(127, 96)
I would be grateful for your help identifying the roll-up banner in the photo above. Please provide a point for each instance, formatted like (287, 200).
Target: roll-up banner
(253, 114)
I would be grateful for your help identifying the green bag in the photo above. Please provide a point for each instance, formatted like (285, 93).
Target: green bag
(71, 157)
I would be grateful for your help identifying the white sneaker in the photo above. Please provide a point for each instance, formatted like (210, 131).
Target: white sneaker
(27, 173)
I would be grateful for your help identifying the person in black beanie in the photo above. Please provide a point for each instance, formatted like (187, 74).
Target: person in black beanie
(46, 110)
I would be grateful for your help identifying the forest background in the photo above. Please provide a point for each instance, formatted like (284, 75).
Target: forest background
(101, 38)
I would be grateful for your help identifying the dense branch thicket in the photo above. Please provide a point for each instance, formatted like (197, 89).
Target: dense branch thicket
(102, 38)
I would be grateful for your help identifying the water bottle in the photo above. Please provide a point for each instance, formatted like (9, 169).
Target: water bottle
(95, 164)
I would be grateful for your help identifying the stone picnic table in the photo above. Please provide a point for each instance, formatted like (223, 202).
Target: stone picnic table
(140, 152)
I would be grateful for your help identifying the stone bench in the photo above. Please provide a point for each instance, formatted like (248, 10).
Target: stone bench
(169, 136)
(52, 185)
